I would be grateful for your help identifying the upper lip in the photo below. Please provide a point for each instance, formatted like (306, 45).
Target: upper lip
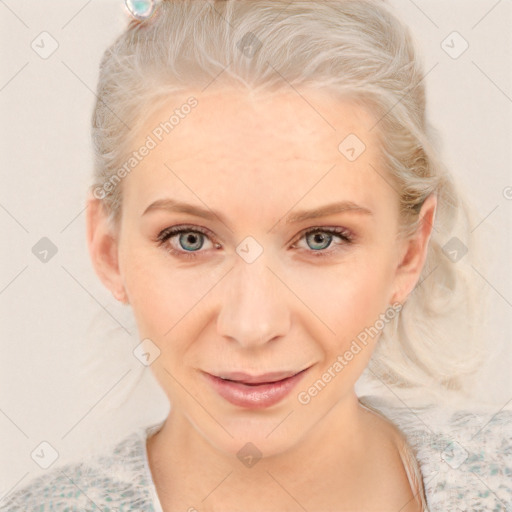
(246, 378)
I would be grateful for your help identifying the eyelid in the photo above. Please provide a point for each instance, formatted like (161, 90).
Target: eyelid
(334, 230)
(174, 230)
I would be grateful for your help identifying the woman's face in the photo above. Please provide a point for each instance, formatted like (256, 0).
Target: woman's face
(249, 288)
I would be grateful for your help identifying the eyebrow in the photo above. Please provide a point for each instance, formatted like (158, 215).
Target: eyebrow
(328, 209)
(172, 205)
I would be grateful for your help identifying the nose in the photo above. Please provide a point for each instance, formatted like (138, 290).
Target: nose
(254, 310)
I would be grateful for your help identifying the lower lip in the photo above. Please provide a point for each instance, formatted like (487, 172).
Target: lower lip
(256, 396)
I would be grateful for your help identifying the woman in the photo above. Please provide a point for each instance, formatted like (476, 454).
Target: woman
(268, 200)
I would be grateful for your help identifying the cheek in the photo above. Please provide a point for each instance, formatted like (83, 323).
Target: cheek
(349, 296)
(147, 287)
(159, 291)
(163, 293)
(352, 305)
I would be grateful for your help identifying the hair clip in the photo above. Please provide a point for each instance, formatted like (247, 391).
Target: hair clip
(141, 9)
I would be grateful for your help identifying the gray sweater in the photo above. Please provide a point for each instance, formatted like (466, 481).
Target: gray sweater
(465, 458)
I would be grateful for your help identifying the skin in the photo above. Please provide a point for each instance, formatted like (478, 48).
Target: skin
(256, 160)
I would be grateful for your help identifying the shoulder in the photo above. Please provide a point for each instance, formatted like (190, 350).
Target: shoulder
(465, 455)
(105, 482)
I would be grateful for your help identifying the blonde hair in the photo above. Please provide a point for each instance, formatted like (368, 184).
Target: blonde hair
(356, 49)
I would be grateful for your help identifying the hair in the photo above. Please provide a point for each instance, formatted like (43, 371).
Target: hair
(357, 50)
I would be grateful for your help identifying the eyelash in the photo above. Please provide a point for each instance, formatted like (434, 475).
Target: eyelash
(168, 233)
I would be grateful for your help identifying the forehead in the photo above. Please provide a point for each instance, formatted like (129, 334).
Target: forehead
(241, 125)
(263, 145)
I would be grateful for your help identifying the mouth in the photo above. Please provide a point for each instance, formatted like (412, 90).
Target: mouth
(255, 380)
(254, 391)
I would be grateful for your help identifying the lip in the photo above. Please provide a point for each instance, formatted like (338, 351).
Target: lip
(264, 378)
(256, 391)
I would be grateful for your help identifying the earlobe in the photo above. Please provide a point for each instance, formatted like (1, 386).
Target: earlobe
(413, 252)
(103, 249)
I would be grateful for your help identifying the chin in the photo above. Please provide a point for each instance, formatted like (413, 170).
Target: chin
(253, 434)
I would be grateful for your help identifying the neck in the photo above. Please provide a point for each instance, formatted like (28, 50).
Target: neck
(210, 478)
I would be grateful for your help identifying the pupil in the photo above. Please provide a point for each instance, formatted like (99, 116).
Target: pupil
(321, 238)
(193, 239)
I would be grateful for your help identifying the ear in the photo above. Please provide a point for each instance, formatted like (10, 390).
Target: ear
(103, 248)
(413, 252)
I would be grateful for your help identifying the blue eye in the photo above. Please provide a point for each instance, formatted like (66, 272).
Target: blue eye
(319, 239)
(195, 240)
(191, 239)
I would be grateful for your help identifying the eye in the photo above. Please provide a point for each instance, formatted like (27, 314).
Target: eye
(184, 241)
(187, 241)
(319, 239)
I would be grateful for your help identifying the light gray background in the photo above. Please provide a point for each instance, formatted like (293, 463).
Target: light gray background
(67, 363)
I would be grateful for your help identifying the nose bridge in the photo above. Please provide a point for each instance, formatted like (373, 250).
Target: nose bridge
(254, 308)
